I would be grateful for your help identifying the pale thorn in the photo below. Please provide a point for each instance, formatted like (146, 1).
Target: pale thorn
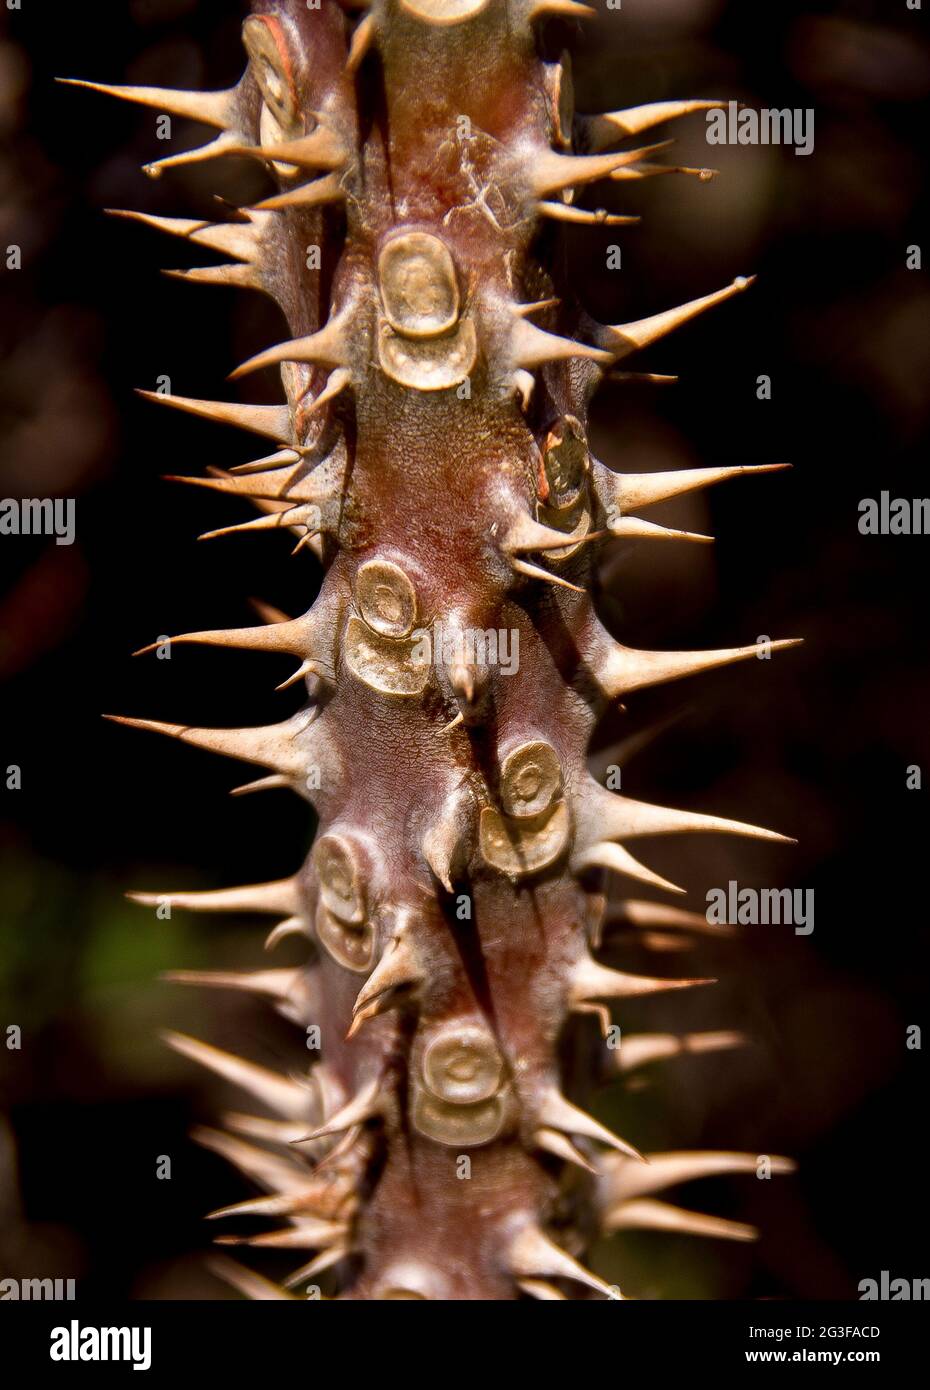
(269, 484)
(632, 526)
(280, 1094)
(308, 1234)
(273, 421)
(536, 572)
(243, 277)
(623, 338)
(651, 171)
(210, 108)
(538, 1288)
(306, 668)
(604, 855)
(533, 1255)
(656, 378)
(270, 984)
(623, 1180)
(224, 144)
(305, 514)
(305, 450)
(325, 1260)
(649, 1215)
(283, 486)
(632, 490)
(363, 1106)
(372, 1010)
(269, 612)
(270, 463)
(397, 967)
(289, 637)
(559, 1144)
(174, 226)
(453, 723)
(463, 678)
(321, 149)
(328, 347)
(269, 1131)
(338, 381)
(601, 812)
(532, 347)
(442, 843)
(292, 926)
(311, 539)
(525, 311)
(269, 744)
(602, 130)
(434, 848)
(238, 239)
(588, 980)
(363, 37)
(276, 1205)
(647, 914)
(247, 1282)
(275, 1172)
(548, 172)
(338, 1150)
(639, 1049)
(307, 540)
(261, 784)
(664, 942)
(625, 669)
(555, 1112)
(277, 897)
(304, 718)
(327, 189)
(566, 212)
(524, 533)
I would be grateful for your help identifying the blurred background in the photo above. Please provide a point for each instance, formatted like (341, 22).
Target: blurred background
(816, 743)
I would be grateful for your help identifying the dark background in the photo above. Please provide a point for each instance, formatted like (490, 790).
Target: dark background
(815, 743)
